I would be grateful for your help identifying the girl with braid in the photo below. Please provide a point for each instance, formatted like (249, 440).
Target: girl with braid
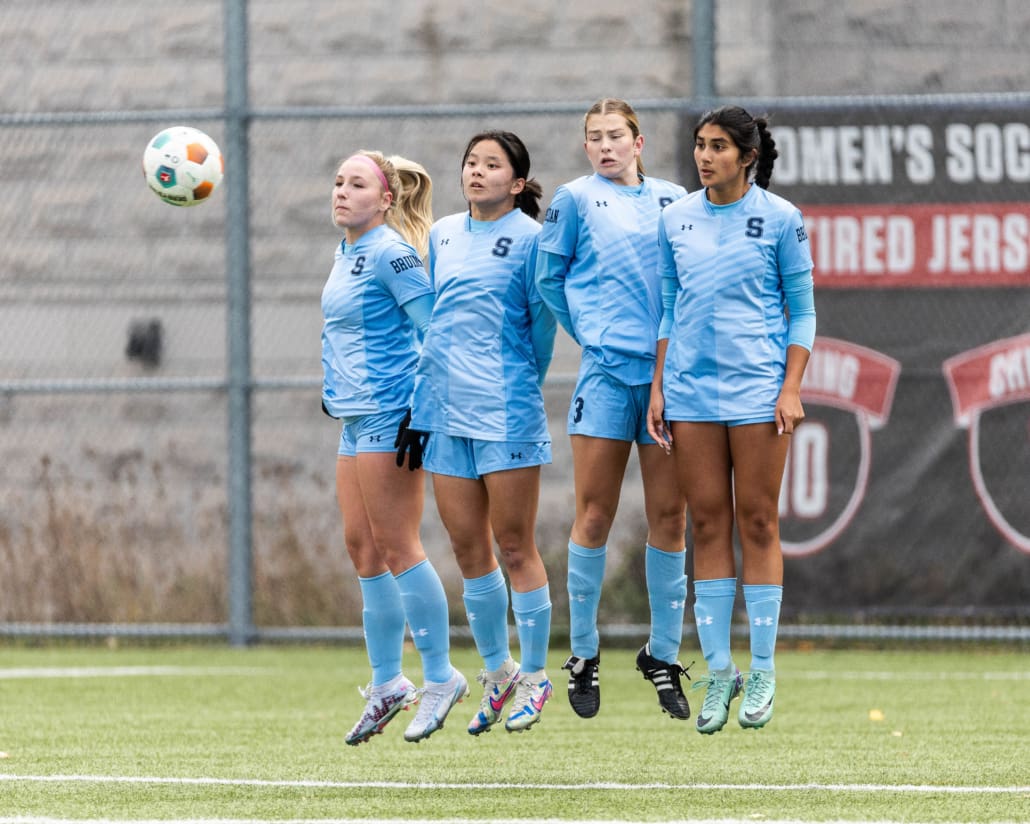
(737, 329)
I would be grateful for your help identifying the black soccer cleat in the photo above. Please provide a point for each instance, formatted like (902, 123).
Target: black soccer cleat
(584, 687)
(666, 679)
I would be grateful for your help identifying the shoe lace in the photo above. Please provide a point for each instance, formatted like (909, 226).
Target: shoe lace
(489, 687)
(523, 695)
(672, 672)
(759, 687)
(713, 697)
(582, 670)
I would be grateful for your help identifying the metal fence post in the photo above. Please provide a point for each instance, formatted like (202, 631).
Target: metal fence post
(237, 115)
(704, 51)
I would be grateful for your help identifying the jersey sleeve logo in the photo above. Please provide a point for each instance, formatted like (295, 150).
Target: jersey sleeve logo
(801, 233)
(406, 262)
(551, 216)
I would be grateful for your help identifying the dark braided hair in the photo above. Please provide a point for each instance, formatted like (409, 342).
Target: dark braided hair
(747, 133)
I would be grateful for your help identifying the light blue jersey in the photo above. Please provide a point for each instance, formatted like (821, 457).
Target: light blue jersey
(478, 376)
(727, 349)
(369, 345)
(611, 291)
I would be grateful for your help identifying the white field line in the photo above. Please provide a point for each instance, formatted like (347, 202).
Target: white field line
(466, 786)
(124, 672)
(748, 820)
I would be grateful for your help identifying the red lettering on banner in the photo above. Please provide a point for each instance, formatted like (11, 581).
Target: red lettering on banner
(991, 375)
(909, 245)
(846, 375)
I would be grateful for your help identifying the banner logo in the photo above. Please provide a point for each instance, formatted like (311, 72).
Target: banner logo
(982, 379)
(856, 380)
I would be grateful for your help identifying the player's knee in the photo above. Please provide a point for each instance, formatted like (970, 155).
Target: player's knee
(668, 526)
(593, 526)
(758, 529)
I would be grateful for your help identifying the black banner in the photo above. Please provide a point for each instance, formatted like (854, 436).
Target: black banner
(908, 486)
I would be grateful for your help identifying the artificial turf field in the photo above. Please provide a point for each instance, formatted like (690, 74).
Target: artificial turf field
(202, 733)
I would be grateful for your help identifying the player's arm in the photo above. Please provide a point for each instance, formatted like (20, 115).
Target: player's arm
(420, 310)
(551, 269)
(800, 297)
(557, 243)
(542, 329)
(656, 425)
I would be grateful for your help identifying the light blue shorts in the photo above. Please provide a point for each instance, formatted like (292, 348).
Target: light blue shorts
(473, 458)
(371, 433)
(735, 422)
(604, 407)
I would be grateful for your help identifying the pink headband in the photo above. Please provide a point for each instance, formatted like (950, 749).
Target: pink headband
(375, 168)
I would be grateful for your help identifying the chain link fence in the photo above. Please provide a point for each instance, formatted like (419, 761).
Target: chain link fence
(115, 465)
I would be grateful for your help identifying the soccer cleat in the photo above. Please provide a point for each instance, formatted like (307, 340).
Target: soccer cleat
(757, 707)
(666, 679)
(435, 701)
(716, 708)
(584, 686)
(531, 694)
(495, 695)
(382, 704)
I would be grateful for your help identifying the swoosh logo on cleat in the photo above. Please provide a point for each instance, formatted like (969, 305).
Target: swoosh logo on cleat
(497, 704)
(755, 716)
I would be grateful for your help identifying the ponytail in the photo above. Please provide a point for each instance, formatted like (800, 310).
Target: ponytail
(411, 212)
(749, 134)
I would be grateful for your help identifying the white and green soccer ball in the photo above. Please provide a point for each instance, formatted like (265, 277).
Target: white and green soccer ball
(182, 166)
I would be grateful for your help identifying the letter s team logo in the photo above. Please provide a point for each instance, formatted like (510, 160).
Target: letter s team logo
(847, 391)
(990, 388)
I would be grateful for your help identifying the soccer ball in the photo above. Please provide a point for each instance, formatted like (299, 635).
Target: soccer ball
(182, 166)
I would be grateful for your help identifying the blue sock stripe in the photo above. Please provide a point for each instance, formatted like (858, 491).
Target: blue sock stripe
(531, 601)
(484, 584)
(716, 586)
(763, 592)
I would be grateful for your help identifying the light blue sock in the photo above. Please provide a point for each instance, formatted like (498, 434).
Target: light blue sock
(713, 610)
(382, 618)
(533, 620)
(486, 605)
(667, 592)
(586, 575)
(425, 608)
(763, 616)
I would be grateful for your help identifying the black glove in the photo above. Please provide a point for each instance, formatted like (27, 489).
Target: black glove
(411, 442)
